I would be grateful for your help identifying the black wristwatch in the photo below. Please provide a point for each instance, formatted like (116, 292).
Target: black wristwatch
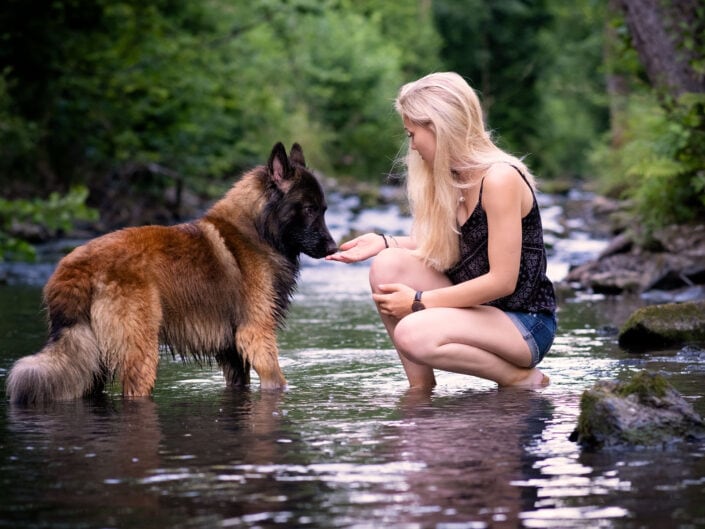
(417, 304)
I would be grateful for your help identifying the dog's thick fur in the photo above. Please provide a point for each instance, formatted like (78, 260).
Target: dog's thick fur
(217, 287)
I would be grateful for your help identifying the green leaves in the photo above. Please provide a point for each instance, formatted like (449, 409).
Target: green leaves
(203, 88)
(660, 165)
(57, 213)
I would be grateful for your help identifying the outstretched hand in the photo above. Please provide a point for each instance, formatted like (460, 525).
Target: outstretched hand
(358, 249)
(394, 299)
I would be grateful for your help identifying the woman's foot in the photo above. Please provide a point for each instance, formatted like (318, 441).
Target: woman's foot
(533, 379)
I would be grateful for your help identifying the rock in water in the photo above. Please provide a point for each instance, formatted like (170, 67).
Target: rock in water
(645, 411)
(664, 325)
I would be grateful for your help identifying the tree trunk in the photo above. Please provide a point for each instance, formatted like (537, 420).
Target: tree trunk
(668, 36)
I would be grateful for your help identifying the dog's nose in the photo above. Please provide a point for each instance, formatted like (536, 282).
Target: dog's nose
(331, 248)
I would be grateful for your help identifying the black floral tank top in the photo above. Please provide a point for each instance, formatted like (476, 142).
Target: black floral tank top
(534, 291)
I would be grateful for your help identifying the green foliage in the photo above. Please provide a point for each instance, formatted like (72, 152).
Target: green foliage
(573, 111)
(18, 136)
(55, 214)
(15, 249)
(203, 89)
(92, 88)
(655, 155)
(350, 78)
(660, 166)
(495, 45)
(409, 27)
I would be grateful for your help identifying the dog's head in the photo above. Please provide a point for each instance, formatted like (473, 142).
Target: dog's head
(294, 216)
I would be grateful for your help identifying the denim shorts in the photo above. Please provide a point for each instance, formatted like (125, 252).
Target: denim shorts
(538, 329)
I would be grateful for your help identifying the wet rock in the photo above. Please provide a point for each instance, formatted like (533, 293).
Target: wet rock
(691, 353)
(645, 411)
(683, 240)
(669, 324)
(673, 258)
(622, 243)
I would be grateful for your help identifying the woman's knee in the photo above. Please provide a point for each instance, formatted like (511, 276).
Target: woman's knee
(398, 265)
(411, 340)
(389, 266)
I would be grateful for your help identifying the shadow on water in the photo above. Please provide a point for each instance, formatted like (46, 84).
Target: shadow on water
(347, 445)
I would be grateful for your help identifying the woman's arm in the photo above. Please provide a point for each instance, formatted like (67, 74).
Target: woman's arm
(369, 245)
(502, 197)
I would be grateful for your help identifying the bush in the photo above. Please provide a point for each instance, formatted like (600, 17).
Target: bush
(54, 215)
(660, 165)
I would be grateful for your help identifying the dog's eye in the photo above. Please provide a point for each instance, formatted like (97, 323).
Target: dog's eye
(309, 211)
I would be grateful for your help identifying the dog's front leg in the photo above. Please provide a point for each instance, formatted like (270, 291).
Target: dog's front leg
(258, 347)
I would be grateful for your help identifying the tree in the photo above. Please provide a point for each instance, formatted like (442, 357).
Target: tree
(658, 158)
(139, 100)
(94, 89)
(670, 39)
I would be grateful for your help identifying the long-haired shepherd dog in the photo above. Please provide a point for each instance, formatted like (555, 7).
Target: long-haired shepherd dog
(217, 287)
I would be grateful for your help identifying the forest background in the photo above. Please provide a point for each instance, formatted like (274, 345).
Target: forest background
(114, 112)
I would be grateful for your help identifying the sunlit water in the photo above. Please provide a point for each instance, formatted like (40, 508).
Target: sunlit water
(348, 445)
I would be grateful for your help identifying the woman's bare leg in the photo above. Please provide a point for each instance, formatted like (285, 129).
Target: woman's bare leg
(480, 341)
(399, 266)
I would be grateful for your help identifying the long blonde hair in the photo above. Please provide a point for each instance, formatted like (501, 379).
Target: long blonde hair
(445, 103)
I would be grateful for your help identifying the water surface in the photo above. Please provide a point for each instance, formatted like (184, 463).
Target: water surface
(348, 444)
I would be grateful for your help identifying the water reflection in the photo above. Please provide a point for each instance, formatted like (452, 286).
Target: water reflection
(118, 462)
(470, 452)
(84, 429)
(72, 450)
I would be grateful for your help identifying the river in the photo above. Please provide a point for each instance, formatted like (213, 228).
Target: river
(347, 444)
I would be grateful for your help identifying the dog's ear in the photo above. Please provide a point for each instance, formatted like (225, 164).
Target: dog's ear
(279, 168)
(297, 155)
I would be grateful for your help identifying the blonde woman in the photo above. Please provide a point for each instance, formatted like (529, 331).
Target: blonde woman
(467, 292)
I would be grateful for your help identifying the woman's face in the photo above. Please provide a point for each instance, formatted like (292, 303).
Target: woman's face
(422, 140)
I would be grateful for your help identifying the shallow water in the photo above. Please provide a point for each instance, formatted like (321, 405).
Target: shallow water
(347, 445)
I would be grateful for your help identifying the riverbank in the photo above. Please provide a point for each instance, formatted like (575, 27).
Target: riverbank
(668, 265)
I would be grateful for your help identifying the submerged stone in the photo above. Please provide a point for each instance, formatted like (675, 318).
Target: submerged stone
(645, 411)
(670, 324)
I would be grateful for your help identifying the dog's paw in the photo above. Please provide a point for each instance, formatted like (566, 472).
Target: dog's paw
(274, 384)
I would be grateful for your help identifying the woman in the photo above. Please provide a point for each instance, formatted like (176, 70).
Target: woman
(467, 292)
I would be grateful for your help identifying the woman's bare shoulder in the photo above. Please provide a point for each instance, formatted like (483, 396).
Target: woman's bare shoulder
(501, 176)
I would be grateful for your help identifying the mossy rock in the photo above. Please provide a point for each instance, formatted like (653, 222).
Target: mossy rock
(645, 411)
(659, 326)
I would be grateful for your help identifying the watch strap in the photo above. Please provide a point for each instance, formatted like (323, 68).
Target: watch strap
(417, 304)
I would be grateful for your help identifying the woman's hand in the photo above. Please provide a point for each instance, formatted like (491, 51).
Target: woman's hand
(394, 299)
(359, 249)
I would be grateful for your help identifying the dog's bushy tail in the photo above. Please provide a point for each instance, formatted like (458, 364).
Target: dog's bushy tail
(68, 367)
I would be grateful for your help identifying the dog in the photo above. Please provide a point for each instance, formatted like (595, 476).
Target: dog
(215, 288)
